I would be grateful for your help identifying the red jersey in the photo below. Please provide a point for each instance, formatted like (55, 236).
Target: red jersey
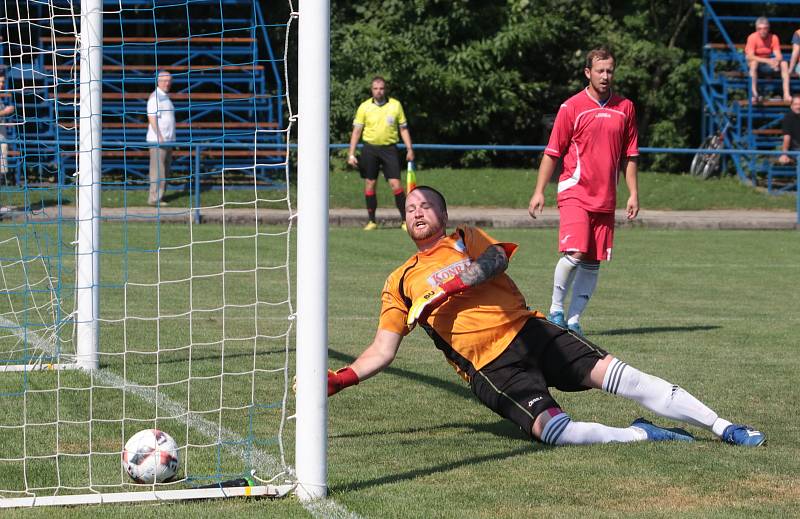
(592, 137)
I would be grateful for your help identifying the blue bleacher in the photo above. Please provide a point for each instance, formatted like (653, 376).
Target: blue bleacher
(227, 91)
(725, 89)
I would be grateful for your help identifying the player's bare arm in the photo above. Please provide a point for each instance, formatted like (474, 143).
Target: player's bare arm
(154, 124)
(373, 360)
(405, 134)
(777, 58)
(378, 355)
(492, 262)
(752, 58)
(787, 141)
(631, 165)
(793, 60)
(354, 138)
(546, 169)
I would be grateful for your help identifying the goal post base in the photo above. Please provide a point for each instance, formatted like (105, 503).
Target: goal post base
(9, 368)
(268, 491)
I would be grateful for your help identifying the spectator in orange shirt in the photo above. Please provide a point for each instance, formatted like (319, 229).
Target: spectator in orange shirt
(763, 52)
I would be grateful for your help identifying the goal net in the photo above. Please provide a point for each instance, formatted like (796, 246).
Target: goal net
(180, 312)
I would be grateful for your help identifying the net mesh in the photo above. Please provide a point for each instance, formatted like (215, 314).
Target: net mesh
(195, 297)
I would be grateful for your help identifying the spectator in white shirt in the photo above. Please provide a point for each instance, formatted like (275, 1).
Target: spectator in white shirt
(5, 111)
(160, 132)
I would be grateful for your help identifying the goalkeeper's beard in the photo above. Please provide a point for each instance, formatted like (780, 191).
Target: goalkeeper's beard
(424, 233)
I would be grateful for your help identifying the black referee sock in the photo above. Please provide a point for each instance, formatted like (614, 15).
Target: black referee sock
(400, 202)
(372, 204)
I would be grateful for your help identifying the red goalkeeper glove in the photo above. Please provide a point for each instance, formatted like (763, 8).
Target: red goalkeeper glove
(431, 299)
(340, 379)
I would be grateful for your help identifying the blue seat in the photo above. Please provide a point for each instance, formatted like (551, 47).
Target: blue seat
(781, 171)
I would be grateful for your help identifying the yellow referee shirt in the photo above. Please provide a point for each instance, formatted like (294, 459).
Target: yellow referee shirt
(380, 123)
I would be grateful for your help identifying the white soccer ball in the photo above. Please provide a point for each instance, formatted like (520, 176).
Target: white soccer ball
(150, 456)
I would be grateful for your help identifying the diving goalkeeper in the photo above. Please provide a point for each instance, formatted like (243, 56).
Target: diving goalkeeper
(456, 289)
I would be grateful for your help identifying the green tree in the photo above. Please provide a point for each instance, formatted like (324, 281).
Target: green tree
(488, 72)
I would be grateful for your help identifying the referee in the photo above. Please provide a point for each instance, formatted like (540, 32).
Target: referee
(381, 119)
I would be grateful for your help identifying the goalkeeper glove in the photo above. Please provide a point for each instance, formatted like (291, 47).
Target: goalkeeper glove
(340, 379)
(431, 299)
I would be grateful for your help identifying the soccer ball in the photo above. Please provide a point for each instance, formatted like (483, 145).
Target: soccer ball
(150, 456)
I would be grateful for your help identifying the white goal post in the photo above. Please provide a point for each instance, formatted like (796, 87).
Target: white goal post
(89, 184)
(312, 239)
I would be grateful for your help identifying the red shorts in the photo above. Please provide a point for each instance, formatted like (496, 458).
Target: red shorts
(583, 231)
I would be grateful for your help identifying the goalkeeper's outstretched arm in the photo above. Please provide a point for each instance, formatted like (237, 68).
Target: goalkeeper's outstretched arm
(378, 355)
(373, 360)
(492, 262)
(383, 349)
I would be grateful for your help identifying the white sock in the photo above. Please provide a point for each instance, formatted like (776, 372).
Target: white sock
(719, 426)
(562, 279)
(582, 289)
(561, 430)
(659, 396)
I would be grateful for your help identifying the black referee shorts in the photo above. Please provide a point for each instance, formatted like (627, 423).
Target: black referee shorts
(542, 355)
(373, 157)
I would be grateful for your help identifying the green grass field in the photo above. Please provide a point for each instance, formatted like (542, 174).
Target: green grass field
(710, 310)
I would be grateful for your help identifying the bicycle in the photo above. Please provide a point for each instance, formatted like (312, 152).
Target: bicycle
(706, 165)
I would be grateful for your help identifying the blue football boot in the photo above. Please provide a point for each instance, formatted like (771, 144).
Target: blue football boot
(576, 329)
(557, 318)
(660, 434)
(739, 434)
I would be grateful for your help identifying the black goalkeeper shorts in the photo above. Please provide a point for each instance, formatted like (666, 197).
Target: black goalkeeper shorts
(542, 355)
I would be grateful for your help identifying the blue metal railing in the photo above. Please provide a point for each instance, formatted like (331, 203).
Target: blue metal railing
(194, 177)
(795, 155)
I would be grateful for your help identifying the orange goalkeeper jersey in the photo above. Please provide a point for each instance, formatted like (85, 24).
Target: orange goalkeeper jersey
(471, 328)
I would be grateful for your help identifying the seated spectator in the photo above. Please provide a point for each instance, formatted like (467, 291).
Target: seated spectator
(763, 52)
(5, 111)
(794, 66)
(791, 130)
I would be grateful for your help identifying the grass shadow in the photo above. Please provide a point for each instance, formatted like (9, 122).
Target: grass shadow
(657, 329)
(20, 205)
(499, 428)
(444, 467)
(450, 387)
(213, 357)
(173, 196)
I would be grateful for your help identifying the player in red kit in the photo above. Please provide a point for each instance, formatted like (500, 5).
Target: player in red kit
(595, 134)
